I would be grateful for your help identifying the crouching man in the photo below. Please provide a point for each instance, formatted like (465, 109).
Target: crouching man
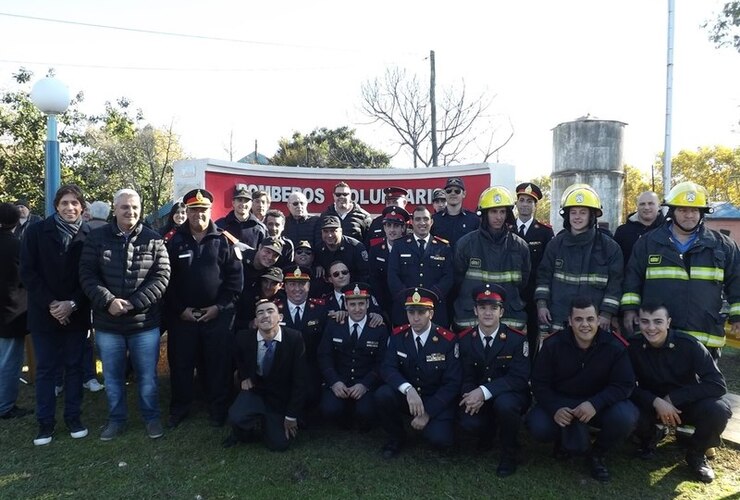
(678, 383)
(272, 370)
(583, 378)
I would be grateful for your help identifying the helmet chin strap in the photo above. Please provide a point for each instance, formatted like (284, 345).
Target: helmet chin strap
(687, 230)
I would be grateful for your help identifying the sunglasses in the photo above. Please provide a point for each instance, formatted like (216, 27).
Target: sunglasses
(343, 272)
(297, 203)
(341, 195)
(303, 252)
(453, 190)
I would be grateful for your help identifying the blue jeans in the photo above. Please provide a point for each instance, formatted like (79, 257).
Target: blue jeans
(143, 348)
(11, 363)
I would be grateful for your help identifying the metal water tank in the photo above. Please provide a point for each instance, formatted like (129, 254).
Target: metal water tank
(589, 150)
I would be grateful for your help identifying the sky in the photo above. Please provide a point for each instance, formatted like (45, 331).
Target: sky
(296, 66)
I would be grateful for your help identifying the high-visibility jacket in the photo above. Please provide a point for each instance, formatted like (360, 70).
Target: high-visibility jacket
(587, 264)
(689, 284)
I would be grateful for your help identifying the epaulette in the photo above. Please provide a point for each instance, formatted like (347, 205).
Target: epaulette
(446, 334)
(409, 240)
(543, 224)
(317, 301)
(169, 234)
(437, 238)
(232, 239)
(376, 241)
(400, 329)
(465, 332)
(516, 331)
(620, 338)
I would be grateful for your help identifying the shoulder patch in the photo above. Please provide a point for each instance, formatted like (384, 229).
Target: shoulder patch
(400, 329)
(441, 240)
(465, 332)
(446, 334)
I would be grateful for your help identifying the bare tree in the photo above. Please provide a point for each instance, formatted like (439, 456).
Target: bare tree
(229, 148)
(400, 101)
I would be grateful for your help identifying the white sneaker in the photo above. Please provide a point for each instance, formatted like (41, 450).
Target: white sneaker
(93, 385)
(58, 389)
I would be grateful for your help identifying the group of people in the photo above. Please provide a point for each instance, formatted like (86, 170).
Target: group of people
(424, 317)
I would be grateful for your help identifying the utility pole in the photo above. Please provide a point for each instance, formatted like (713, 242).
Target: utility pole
(667, 167)
(432, 101)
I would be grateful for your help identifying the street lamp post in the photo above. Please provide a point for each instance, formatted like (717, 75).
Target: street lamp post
(51, 97)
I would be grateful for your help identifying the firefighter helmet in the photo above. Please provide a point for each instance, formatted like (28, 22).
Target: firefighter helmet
(688, 194)
(495, 197)
(580, 195)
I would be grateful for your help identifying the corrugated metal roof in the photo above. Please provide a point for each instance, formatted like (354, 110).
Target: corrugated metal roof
(724, 210)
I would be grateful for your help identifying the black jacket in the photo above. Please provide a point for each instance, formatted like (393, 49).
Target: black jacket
(283, 389)
(13, 298)
(355, 224)
(352, 252)
(136, 268)
(50, 273)
(628, 233)
(250, 232)
(308, 229)
(565, 375)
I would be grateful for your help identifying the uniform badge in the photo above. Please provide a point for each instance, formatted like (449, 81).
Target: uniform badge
(433, 358)
(457, 351)
(475, 262)
(525, 349)
(364, 255)
(497, 199)
(558, 263)
(502, 336)
(371, 343)
(671, 345)
(579, 198)
(416, 298)
(402, 354)
(691, 196)
(655, 259)
(435, 339)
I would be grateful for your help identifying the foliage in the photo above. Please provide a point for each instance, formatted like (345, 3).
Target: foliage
(724, 30)
(401, 102)
(543, 206)
(331, 148)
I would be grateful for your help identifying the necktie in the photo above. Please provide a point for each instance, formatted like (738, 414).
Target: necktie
(422, 243)
(297, 317)
(269, 357)
(341, 303)
(487, 349)
(419, 345)
(521, 230)
(353, 338)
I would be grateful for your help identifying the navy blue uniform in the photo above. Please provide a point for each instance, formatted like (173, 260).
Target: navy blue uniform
(341, 361)
(537, 237)
(453, 227)
(683, 370)
(378, 253)
(565, 375)
(350, 251)
(203, 274)
(435, 373)
(409, 267)
(504, 372)
(250, 232)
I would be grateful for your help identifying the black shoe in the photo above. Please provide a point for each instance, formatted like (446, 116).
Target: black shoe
(45, 435)
(698, 464)
(230, 441)
(76, 429)
(16, 412)
(506, 466)
(391, 449)
(598, 468)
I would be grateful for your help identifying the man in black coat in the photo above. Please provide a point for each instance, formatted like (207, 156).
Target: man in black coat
(454, 221)
(583, 378)
(394, 197)
(300, 225)
(26, 218)
(495, 388)
(355, 220)
(241, 222)
(395, 220)
(13, 305)
(678, 384)
(647, 217)
(349, 358)
(337, 246)
(272, 371)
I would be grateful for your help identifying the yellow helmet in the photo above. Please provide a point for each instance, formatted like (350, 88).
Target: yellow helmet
(688, 194)
(495, 197)
(581, 195)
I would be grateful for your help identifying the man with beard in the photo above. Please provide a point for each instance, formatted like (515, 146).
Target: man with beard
(355, 221)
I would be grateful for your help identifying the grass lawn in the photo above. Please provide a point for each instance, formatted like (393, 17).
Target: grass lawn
(189, 463)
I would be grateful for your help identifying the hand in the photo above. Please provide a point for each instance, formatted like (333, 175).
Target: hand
(291, 428)
(375, 320)
(209, 313)
(187, 315)
(420, 422)
(247, 384)
(543, 316)
(473, 401)
(61, 310)
(584, 412)
(319, 271)
(735, 329)
(605, 323)
(119, 307)
(416, 405)
(666, 412)
(339, 316)
(340, 390)
(630, 321)
(357, 391)
(563, 417)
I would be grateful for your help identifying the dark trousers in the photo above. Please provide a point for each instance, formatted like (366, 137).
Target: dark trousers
(392, 407)
(342, 410)
(533, 327)
(708, 416)
(249, 410)
(49, 347)
(214, 340)
(503, 412)
(614, 422)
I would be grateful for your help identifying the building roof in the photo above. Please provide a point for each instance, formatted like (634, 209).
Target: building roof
(255, 159)
(724, 210)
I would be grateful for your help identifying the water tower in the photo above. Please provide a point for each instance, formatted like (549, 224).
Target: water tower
(589, 150)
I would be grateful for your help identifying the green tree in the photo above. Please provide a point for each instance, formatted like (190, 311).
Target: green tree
(724, 30)
(543, 206)
(332, 148)
(717, 168)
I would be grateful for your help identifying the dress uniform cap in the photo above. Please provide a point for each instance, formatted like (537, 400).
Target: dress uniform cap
(455, 182)
(421, 297)
(439, 194)
(273, 243)
(489, 293)
(529, 189)
(294, 272)
(356, 290)
(198, 198)
(242, 192)
(396, 215)
(303, 244)
(395, 192)
(273, 274)
(330, 222)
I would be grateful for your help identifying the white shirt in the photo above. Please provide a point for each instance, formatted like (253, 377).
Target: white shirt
(423, 336)
(292, 307)
(527, 224)
(360, 325)
(262, 347)
(486, 393)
